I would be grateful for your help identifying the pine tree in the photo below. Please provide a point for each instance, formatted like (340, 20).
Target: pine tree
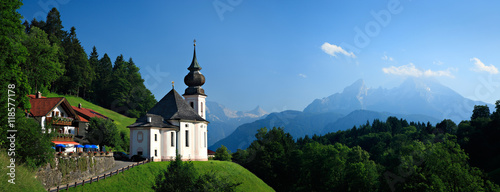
(78, 71)
(129, 94)
(53, 26)
(103, 72)
(93, 62)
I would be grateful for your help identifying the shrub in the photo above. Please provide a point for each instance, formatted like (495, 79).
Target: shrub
(222, 154)
(182, 176)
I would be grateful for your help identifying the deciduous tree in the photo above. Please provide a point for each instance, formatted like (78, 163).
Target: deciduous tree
(222, 154)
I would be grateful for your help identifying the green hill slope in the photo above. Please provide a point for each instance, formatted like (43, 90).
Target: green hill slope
(25, 179)
(141, 178)
(120, 120)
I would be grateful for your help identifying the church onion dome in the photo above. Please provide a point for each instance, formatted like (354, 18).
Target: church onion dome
(194, 79)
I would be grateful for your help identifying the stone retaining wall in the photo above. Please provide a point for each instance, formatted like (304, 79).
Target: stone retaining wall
(70, 169)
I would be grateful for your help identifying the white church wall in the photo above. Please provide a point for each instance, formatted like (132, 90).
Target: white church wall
(155, 143)
(186, 146)
(169, 144)
(139, 141)
(201, 146)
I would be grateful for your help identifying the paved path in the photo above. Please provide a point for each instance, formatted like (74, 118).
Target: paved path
(118, 165)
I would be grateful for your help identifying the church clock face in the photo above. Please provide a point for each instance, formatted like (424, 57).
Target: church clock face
(140, 137)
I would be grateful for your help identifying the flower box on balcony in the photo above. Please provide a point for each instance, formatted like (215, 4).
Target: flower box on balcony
(60, 120)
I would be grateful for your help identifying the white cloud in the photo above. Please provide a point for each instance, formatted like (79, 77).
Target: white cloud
(411, 70)
(331, 49)
(480, 66)
(385, 58)
(438, 62)
(302, 75)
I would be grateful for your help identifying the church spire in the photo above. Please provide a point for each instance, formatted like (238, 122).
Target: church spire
(194, 64)
(194, 79)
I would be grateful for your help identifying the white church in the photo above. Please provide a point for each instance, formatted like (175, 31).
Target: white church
(174, 123)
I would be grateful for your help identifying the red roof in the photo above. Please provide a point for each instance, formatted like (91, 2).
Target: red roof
(82, 119)
(66, 142)
(34, 96)
(85, 114)
(210, 152)
(42, 106)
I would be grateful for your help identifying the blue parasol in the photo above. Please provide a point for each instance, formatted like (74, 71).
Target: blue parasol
(87, 146)
(60, 145)
(94, 146)
(78, 146)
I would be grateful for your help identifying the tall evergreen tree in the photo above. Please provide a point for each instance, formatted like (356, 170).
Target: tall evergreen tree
(78, 71)
(42, 66)
(53, 26)
(129, 95)
(103, 72)
(93, 62)
(119, 87)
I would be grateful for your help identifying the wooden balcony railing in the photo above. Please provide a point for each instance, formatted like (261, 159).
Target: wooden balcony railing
(59, 120)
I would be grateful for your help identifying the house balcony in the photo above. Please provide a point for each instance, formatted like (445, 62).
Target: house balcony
(63, 137)
(64, 121)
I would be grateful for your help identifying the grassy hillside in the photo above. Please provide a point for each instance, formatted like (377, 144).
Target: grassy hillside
(141, 178)
(25, 179)
(121, 121)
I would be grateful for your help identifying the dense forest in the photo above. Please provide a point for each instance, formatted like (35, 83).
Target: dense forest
(39, 56)
(382, 156)
(55, 61)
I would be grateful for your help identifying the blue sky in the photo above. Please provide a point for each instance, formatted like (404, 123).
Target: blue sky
(284, 54)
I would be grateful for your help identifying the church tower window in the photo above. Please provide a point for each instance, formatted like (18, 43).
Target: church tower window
(187, 138)
(172, 139)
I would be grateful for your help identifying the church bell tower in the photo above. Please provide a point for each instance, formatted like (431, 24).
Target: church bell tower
(194, 94)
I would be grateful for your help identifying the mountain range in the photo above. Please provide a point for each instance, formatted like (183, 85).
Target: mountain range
(416, 99)
(223, 121)
(414, 96)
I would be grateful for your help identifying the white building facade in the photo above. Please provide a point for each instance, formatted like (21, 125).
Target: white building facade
(175, 124)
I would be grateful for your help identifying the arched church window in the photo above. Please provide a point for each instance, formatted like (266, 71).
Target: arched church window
(192, 104)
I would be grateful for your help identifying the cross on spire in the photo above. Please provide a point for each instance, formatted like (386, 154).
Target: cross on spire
(194, 41)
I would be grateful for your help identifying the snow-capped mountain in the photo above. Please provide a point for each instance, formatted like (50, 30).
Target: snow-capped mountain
(413, 96)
